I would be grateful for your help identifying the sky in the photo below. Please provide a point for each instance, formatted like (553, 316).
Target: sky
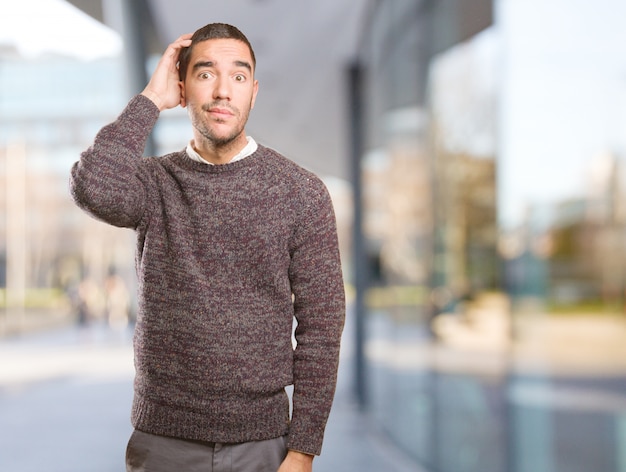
(34, 27)
(563, 97)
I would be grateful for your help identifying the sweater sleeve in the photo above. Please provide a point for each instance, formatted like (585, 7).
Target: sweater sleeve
(107, 182)
(319, 303)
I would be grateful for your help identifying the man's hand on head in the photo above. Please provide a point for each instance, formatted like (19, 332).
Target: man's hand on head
(164, 87)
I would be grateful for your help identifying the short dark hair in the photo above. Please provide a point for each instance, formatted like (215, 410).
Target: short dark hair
(211, 31)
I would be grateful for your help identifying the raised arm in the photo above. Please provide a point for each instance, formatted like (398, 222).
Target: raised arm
(110, 181)
(164, 86)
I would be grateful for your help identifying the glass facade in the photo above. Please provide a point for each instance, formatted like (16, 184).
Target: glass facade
(493, 190)
(50, 109)
(495, 225)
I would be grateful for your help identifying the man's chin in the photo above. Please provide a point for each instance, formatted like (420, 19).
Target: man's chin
(221, 139)
(224, 141)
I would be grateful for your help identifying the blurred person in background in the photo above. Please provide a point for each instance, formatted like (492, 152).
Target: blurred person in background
(233, 241)
(117, 302)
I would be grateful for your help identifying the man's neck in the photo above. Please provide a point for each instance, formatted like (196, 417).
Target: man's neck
(219, 154)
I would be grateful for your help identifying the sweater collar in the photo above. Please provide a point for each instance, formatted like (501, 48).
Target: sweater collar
(249, 149)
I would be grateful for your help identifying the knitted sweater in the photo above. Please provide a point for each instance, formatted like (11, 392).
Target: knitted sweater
(226, 256)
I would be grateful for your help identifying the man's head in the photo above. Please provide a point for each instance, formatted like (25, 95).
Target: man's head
(212, 31)
(218, 86)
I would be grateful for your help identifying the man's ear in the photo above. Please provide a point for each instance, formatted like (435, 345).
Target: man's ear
(255, 90)
(183, 100)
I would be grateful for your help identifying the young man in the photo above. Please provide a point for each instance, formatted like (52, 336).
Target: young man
(233, 241)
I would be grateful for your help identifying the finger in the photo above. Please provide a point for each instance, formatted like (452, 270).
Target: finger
(174, 48)
(182, 41)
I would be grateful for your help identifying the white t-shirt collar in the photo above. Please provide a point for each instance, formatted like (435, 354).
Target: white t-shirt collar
(248, 149)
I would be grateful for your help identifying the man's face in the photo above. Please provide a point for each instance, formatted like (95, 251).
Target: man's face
(219, 90)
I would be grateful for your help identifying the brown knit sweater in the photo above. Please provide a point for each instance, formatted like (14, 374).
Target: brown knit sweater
(226, 256)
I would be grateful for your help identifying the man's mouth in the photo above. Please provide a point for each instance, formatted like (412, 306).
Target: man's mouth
(220, 112)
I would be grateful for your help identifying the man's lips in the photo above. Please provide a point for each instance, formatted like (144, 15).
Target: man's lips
(221, 112)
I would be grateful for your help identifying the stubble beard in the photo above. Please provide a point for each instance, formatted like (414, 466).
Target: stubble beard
(203, 126)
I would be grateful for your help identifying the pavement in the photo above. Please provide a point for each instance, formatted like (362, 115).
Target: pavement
(66, 392)
(65, 397)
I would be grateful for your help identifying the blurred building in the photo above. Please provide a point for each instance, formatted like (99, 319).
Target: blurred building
(490, 153)
(496, 292)
(48, 245)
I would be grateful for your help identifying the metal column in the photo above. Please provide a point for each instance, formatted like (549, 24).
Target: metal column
(359, 258)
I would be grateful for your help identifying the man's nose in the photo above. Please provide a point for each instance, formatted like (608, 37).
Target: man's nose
(222, 89)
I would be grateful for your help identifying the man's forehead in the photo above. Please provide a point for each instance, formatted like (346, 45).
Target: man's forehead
(222, 48)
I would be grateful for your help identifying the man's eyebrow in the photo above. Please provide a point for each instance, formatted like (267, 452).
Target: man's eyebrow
(201, 64)
(244, 64)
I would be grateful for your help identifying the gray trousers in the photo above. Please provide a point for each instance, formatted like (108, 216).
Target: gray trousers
(150, 453)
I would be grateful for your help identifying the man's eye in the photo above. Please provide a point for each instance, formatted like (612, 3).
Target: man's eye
(240, 78)
(205, 75)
